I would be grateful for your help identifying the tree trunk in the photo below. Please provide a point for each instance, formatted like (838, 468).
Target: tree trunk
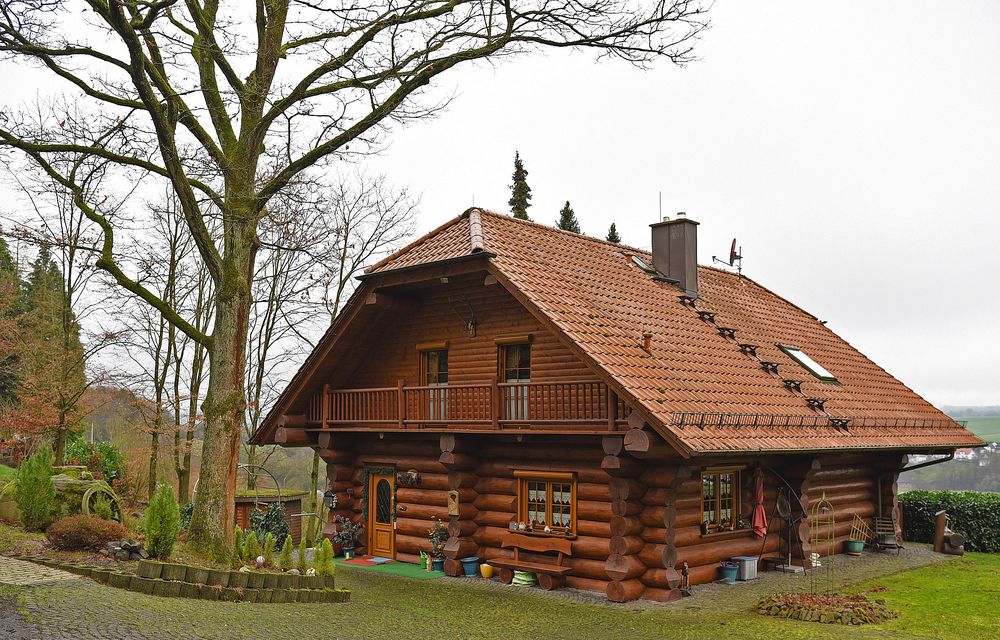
(59, 446)
(154, 450)
(225, 402)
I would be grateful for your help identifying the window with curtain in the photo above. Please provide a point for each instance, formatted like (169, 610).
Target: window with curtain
(720, 499)
(547, 499)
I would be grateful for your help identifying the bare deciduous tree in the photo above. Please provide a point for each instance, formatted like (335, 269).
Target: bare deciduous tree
(230, 106)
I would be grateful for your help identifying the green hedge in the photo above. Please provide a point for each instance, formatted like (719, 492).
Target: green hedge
(975, 515)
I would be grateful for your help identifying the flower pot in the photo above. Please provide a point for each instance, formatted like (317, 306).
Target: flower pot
(438, 564)
(854, 547)
(348, 553)
(470, 566)
(729, 571)
(486, 570)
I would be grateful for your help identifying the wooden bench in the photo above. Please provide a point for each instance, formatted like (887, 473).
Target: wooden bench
(550, 574)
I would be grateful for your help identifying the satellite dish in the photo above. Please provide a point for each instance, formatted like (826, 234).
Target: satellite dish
(735, 257)
(732, 253)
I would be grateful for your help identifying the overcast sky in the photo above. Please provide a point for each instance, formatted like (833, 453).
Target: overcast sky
(853, 149)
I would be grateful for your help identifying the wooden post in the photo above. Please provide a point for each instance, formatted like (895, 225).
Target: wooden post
(401, 404)
(325, 406)
(612, 409)
(495, 402)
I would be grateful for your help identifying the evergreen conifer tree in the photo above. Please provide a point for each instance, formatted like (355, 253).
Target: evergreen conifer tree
(613, 235)
(520, 192)
(285, 558)
(567, 219)
(10, 307)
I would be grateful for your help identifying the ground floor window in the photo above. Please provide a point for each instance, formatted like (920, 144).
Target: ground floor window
(720, 499)
(547, 499)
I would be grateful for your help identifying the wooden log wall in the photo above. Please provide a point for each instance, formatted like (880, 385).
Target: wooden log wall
(471, 359)
(624, 566)
(850, 483)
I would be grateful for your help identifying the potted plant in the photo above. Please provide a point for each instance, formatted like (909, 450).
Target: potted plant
(348, 534)
(437, 536)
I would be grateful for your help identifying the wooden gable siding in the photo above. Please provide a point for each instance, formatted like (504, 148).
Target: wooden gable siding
(393, 355)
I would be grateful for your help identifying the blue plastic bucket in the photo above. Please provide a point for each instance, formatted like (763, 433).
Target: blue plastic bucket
(729, 571)
(470, 566)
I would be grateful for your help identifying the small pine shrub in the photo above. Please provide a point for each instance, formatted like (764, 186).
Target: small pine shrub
(329, 568)
(35, 492)
(238, 543)
(285, 557)
(251, 546)
(300, 563)
(77, 533)
(268, 551)
(319, 560)
(163, 522)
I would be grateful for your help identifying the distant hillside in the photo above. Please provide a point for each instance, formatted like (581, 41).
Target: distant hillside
(969, 412)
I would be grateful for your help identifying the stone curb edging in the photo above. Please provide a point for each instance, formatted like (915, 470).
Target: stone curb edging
(158, 586)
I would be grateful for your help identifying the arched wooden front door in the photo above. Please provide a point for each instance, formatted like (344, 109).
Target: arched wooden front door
(381, 534)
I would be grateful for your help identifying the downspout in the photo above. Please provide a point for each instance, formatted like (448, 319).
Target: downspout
(929, 463)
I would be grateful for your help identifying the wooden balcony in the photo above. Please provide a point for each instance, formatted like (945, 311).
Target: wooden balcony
(574, 405)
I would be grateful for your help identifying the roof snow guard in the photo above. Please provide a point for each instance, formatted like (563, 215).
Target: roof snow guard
(597, 301)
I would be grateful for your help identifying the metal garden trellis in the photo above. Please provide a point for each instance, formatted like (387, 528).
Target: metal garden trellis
(822, 541)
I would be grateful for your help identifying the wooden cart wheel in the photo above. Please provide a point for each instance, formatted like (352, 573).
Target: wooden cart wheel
(95, 493)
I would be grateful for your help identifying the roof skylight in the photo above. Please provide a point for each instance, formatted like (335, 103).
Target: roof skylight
(808, 363)
(642, 264)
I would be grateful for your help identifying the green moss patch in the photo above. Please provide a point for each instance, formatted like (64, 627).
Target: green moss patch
(854, 609)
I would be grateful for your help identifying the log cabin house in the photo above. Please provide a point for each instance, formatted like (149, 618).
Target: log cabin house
(498, 371)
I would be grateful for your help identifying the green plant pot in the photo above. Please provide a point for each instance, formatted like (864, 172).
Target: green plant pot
(171, 571)
(854, 546)
(238, 579)
(196, 575)
(218, 577)
(256, 580)
(271, 580)
(149, 568)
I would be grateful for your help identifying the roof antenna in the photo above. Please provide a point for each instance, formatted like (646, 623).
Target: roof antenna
(735, 258)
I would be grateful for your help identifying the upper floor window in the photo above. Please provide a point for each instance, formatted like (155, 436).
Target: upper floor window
(720, 499)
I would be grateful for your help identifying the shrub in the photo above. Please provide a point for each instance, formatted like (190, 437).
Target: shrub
(35, 492)
(77, 449)
(251, 547)
(270, 520)
(319, 560)
(238, 543)
(285, 557)
(974, 515)
(186, 512)
(84, 532)
(328, 567)
(163, 522)
(300, 562)
(268, 551)
(111, 460)
(102, 508)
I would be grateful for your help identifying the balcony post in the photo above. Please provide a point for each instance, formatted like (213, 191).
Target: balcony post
(401, 404)
(324, 410)
(495, 402)
(612, 409)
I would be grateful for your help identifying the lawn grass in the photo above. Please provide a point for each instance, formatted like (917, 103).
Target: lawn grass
(986, 427)
(956, 600)
(7, 473)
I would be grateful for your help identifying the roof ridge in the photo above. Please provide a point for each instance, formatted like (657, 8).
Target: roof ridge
(541, 225)
(416, 243)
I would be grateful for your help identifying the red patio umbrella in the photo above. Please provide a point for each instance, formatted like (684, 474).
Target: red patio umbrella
(759, 516)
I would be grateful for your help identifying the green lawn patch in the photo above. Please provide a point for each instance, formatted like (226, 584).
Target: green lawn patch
(955, 600)
(7, 473)
(11, 537)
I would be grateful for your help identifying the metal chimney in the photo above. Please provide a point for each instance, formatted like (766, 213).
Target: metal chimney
(675, 251)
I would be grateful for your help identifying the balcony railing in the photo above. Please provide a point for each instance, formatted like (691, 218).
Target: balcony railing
(574, 404)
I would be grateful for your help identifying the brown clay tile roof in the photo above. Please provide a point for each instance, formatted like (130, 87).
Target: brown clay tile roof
(591, 292)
